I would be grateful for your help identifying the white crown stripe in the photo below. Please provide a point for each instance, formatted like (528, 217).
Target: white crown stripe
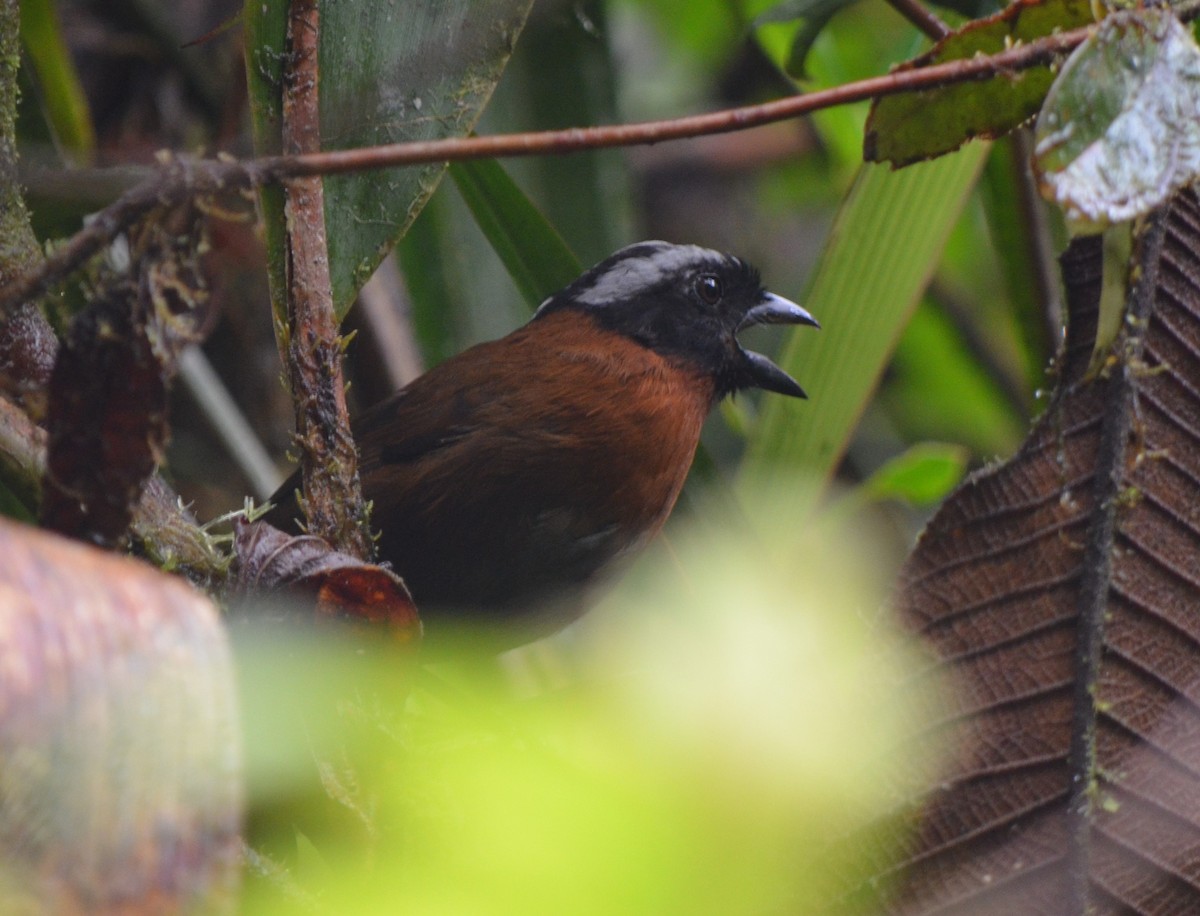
(656, 260)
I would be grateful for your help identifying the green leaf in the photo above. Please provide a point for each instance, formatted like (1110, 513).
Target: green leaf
(812, 16)
(532, 251)
(882, 250)
(922, 475)
(264, 27)
(62, 93)
(431, 281)
(921, 125)
(389, 73)
(1119, 131)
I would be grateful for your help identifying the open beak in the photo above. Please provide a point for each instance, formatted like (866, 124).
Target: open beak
(760, 371)
(772, 309)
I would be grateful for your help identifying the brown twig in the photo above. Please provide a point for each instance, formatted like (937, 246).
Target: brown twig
(570, 140)
(922, 18)
(178, 180)
(333, 502)
(27, 344)
(183, 177)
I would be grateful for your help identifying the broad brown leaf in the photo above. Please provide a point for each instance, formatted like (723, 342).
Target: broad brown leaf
(1061, 593)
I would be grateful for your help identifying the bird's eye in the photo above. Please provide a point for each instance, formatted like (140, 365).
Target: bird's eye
(709, 288)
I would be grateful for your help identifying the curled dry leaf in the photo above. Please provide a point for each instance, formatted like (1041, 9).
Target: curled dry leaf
(120, 782)
(1060, 591)
(339, 585)
(107, 418)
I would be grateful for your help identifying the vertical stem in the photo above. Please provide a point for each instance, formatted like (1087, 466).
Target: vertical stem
(333, 500)
(1098, 551)
(19, 250)
(27, 344)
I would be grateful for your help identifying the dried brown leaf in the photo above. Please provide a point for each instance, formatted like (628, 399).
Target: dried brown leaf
(336, 585)
(1061, 591)
(107, 418)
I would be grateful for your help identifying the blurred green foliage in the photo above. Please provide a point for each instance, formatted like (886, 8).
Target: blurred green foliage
(727, 727)
(923, 475)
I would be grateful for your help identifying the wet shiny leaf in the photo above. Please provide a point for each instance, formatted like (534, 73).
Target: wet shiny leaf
(1119, 131)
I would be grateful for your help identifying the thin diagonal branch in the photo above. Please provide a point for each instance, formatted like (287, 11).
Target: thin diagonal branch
(178, 180)
(1037, 53)
(181, 178)
(228, 423)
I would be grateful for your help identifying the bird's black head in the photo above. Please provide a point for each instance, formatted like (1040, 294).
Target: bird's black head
(687, 303)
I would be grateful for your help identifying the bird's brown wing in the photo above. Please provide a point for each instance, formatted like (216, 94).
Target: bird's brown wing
(520, 467)
(484, 490)
(434, 411)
